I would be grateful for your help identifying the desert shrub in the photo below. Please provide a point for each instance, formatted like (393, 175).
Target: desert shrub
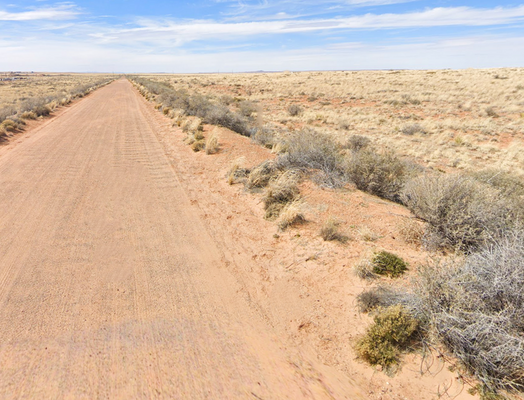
(460, 212)
(357, 142)
(382, 174)
(412, 129)
(264, 136)
(411, 231)
(294, 110)
(6, 112)
(476, 307)
(261, 175)
(280, 191)
(329, 231)
(221, 115)
(386, 263)
(247, 108)
(309, 149)
(291, 214)
(392, 331)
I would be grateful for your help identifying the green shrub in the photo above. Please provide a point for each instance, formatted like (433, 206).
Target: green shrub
(392, 331)
(385, 263)
(381, 174)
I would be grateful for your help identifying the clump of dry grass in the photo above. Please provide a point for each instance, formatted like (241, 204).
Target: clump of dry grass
(330, 231)
(411, 231)
(237, 171)
(280, 192)
(261, 175)
(291, 214)
(198, 145)
(364, 270)
(212, 145)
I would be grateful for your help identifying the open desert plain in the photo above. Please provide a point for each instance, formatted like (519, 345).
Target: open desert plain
(320, 235)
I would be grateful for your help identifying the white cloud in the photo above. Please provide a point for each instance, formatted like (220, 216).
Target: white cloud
(182, 32)
(45, 13)
(429, 53)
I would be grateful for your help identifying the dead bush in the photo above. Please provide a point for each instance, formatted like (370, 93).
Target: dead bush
(379, 297)
(382, 174)
(247, 108)
(462, 212)
(392, 331)
(198, 145)
(476, 307)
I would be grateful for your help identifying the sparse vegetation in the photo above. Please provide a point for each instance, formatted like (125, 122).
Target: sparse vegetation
(280, 192)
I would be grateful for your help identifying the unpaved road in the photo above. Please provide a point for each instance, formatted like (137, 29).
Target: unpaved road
(110, 285)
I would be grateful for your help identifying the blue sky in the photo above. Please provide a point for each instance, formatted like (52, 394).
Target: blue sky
(249, 35)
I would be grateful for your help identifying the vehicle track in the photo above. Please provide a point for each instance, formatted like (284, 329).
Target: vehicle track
(110, 285)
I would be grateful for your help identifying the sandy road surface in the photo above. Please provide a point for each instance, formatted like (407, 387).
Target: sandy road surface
(110, 286)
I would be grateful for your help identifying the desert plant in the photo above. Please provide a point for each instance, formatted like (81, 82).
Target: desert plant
(381, 297)
(212, 145)
(476, 307)
(386, 263)
(490, 112)
(280, 191)
(261, 175)
(294, 110)
(198, 145)
(247, 108)
(392, 331)
(461, 211)
(291, 214)
(357, 142)
(412, 129)
(382, 174)
(309, 149)
(329, 231)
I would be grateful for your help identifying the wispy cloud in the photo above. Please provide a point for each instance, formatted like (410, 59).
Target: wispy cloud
(61, 12)
(182, 32)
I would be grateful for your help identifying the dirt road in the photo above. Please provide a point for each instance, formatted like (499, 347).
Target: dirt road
(110, 286)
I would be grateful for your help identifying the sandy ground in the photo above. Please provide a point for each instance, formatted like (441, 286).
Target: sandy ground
(110, 284)
(129, 268)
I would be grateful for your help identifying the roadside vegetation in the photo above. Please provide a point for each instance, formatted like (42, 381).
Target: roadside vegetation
(472, 302)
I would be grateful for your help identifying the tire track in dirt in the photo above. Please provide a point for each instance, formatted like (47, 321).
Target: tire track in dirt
(110, 285)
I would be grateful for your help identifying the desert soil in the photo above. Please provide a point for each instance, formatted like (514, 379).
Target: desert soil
(110, 285)
(129, 268)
